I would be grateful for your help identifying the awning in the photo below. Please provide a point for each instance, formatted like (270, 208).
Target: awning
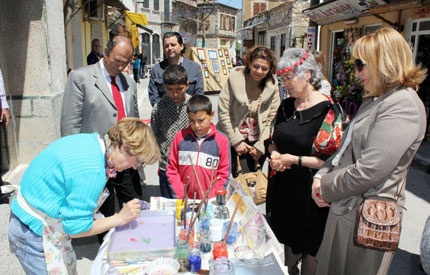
(253, 25)
(337, 10)
(145, 28)
(116, 3)
(137, 18)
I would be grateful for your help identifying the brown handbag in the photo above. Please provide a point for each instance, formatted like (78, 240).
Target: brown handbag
(378, 223)
(254, 183)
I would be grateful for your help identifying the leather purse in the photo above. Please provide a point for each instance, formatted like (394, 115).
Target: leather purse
(254, 183)
(378, 225)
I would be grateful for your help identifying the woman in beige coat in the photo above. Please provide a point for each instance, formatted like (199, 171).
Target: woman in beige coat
(375, 152)
(247, 105)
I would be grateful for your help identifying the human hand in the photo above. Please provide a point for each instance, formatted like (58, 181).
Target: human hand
(242, 148)
(4, 114)
(255, 153)
(276, 163)
(130, 211)
(316, 193)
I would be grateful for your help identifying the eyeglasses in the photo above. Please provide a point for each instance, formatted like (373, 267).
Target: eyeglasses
(287, 77)
(359, 64)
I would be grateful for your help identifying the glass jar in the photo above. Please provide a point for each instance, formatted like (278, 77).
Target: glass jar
(182, 254)
(220, 250)
(221, 266)
(232, 235)
(183, 236)
(195, 261)
(215, 228)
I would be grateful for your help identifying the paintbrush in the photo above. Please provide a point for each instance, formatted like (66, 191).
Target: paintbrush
(197, 177)
(192, 210)
(209, 192)
(231, 220)
(195, 218)
(186, 201)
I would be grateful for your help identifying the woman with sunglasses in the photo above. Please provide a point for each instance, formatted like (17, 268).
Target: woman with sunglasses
(306, 131)
(62, 188)
(376, 152)
(247, 105)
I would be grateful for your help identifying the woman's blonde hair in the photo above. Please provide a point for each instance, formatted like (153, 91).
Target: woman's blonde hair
(137, 138)
(387, 55)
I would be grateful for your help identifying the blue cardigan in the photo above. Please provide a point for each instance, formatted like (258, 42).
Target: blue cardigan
(64, 181)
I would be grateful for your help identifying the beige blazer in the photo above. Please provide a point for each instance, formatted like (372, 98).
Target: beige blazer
(88, 104)
(233, 107)
(387, 132)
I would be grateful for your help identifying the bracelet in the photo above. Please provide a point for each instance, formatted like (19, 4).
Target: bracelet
(300, 162)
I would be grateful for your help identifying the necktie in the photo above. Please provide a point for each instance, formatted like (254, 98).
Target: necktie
(117, 98)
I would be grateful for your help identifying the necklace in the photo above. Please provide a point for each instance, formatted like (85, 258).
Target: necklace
(293, 116)
(110, 169)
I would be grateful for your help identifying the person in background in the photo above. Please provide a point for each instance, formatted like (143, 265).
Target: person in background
(306, 131)
(95, 98)
(168, 117)
(246, 107)
(4, 120)
(374, 157)
(60, 190)
(143, 59)
(208, 148)
(325, 88)
(95, 55)
(173, 49)
(136, 68)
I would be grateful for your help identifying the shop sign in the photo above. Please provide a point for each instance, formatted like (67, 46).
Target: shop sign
(310, 39)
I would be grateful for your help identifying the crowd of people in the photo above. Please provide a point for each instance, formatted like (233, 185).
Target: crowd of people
(318, 172)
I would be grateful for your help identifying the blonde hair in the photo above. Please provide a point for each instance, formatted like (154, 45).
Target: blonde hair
(137, 138)
(388, 58)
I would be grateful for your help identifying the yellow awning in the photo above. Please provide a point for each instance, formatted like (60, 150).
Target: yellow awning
(137, 18)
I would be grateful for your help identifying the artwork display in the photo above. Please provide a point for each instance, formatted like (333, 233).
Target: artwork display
(226, 52)
(216, 66)
(229, 69)
(228, 60)
(220, 53)
(205, 65)
(201, 53)
(206, 73)
(212, 55)
(222, 63)
(224, 70)
(217, 78)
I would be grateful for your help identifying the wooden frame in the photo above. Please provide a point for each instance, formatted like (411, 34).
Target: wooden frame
(201, 54)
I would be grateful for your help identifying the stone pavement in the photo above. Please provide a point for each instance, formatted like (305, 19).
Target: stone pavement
(406, 261)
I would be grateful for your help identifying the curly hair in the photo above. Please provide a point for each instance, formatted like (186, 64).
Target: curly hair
(137, 138)
(263, 53)
(389, 60)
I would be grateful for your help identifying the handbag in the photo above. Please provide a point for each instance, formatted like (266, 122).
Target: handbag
(378, 224)
(254, 183)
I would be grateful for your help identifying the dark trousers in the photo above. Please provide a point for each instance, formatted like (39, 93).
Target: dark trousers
(136, 75)
(247, 163)
(126, 185)
(165, 186)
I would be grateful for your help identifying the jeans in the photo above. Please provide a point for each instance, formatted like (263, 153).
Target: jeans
(27, 247)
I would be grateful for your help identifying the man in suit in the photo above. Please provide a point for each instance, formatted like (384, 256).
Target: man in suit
(173, 49)
(95, 54)
(95, 98)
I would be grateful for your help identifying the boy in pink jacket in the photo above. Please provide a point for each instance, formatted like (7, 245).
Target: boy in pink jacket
(205, 145)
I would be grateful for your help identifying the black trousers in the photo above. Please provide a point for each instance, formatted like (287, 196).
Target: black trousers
(126, 185)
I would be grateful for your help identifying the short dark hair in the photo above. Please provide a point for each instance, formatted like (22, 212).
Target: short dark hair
(199, 103)
(112, 43)
(175, 74)
(178, 36)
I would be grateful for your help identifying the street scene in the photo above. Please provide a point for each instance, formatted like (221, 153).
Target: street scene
(303, 125)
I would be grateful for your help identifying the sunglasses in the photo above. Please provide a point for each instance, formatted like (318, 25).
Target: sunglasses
(359, 64)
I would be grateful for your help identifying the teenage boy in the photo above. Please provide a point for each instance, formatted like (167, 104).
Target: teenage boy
(207, 147)
(168, 117)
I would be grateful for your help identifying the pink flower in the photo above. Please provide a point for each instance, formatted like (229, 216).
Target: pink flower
(296, 64)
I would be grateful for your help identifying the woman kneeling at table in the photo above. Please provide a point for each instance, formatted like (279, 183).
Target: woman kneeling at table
(62, 186)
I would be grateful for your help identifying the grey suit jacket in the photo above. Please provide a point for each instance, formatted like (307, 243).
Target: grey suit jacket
(88, 104)
(387, 132)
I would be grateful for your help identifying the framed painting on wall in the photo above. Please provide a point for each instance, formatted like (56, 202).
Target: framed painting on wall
(229, 69)
(228, 60)
(217, 78)
(222, 63)
(226, 52)
(212, 55)
(216, 66)
(224, 70)
(205, 65)
(220, 52)
(201, 53)
(206, 73)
